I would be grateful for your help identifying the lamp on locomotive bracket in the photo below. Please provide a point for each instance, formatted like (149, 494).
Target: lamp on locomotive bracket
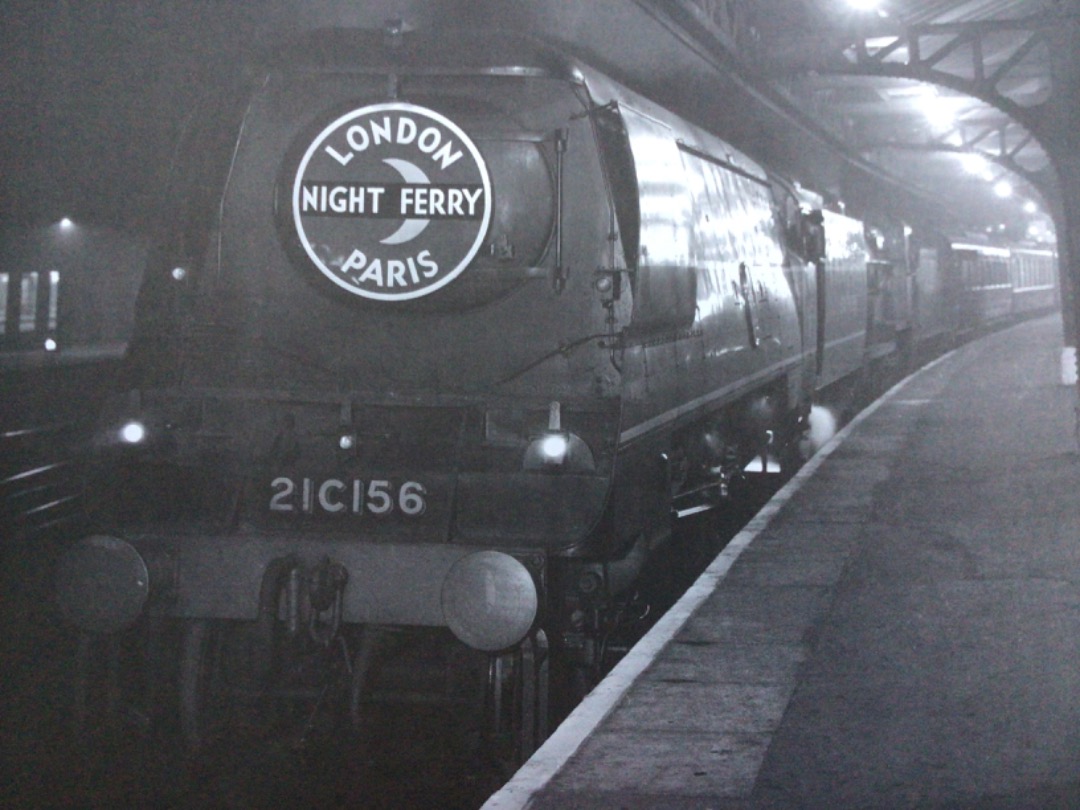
(347, 438)
(557, 450)
(608, 282)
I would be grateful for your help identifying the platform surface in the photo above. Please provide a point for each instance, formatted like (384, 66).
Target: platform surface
(900, 629)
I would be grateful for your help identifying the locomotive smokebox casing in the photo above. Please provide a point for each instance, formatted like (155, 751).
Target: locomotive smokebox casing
(102, 584)
(489, 600)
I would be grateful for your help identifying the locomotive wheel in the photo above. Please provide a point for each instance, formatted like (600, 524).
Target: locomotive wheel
(223, 669)
(243, 679)
(517, 702)
(115, 684)
(361, 676)
(203, 703)
(95, 692)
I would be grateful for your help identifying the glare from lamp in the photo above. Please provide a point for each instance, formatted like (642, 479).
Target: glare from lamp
(973, 162)
(1003, 188)
(558, 451)
(133, 432)
(554, 447)
(939, 111)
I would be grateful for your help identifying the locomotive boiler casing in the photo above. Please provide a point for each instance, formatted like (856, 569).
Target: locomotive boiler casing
(715, 325)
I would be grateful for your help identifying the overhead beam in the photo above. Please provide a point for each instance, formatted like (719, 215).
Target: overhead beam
(693, 25)
(926, 52)
(1036, 178)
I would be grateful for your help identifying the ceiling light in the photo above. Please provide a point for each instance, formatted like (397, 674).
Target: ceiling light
(973, 162)
(939, 111)
(876, 44)
(1030, 207)
(1003, 188)
(977, 164)
(864, 5)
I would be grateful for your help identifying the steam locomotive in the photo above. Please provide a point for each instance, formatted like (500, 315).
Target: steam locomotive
(439, 336)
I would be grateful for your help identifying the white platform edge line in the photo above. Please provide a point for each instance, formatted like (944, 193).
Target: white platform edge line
(553, 755)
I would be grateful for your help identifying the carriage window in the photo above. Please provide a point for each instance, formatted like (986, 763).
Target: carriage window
(3, 302)
(54, 297)
(28, 302)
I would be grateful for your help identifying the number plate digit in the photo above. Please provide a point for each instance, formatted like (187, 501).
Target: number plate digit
(335, 496)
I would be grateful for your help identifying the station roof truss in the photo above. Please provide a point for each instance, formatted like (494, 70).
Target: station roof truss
(952, 96)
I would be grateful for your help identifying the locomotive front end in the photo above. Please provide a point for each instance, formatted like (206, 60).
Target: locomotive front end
(367, 389)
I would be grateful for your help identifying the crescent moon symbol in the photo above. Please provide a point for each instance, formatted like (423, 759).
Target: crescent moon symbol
(410, 228)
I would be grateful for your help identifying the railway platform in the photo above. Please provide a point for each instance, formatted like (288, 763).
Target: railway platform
(899, 627)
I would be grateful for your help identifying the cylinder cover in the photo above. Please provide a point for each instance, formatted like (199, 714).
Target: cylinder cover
(102, 584)
(489, 600)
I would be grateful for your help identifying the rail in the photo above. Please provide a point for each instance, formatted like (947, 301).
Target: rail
(39, 484)
(46, 413)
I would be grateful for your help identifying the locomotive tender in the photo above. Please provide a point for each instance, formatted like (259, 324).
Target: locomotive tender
(440, 334)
